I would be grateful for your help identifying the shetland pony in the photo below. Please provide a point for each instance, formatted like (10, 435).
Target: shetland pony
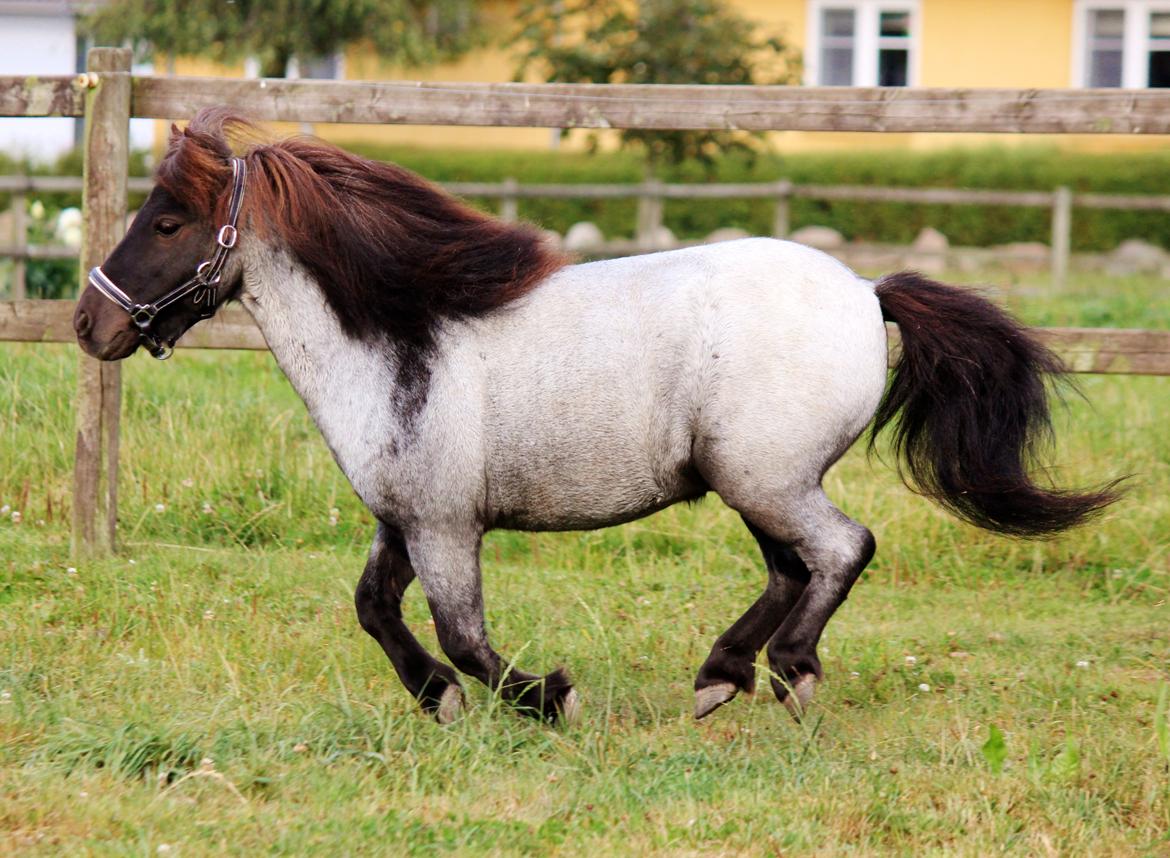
(466, 377)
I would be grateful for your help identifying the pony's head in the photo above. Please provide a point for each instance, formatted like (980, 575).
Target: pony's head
(172, 268)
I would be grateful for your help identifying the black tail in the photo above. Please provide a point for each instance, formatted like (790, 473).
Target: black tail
(970, 389)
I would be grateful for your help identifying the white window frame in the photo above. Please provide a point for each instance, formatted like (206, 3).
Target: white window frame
(1135, 50)
(866, 38)
(292, 70)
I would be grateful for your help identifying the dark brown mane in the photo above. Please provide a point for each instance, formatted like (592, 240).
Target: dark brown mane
(393, 254)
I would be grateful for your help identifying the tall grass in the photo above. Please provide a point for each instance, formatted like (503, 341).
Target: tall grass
(208, 690)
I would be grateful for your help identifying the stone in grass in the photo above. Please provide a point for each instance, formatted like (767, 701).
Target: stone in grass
(820, 237)
(584, 235)
(1134, 256)
(928, 253)
(727, 233)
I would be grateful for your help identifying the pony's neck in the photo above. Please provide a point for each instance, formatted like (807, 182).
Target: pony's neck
(338, 377)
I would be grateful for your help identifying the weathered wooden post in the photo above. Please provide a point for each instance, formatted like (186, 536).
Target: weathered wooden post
(1061, 236)
(649, 225)
(782, 216)
(99, 400)
(509, 204)
(20, 243)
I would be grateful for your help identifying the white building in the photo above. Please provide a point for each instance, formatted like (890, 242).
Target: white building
(39, 37)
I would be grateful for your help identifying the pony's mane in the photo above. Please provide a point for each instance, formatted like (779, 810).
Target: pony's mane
(392, 253)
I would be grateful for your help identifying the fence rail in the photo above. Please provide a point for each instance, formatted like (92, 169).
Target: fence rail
(107, 95)
(651, 195)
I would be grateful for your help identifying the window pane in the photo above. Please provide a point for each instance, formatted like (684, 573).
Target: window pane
(1106, 24)
(895, 23)
(1160, 25)
(838, 22)
(1160, 69)
(837, 67)
(1105, 68)
(892, 66)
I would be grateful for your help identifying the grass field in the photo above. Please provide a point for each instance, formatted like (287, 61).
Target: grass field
(209, 690)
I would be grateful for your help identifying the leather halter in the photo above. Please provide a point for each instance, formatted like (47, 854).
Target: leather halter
(205, 283)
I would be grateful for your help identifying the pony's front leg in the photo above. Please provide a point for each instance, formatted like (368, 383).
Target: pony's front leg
(378, 599)
(447, 564)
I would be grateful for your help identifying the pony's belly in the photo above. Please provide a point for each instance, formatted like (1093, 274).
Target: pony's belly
(580, 502)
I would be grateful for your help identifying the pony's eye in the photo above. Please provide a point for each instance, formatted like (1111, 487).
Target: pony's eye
(167, 227)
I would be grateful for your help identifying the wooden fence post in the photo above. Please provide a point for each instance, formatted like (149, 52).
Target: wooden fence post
(20, 237)
(649, 214)
(1061, 235)
(782, 217)
(99, 401)
(509, 204)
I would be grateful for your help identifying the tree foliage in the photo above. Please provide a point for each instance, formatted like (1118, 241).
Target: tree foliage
(413, 32)
(654, 41)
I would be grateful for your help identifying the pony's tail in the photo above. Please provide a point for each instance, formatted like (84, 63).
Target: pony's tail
(969, 391)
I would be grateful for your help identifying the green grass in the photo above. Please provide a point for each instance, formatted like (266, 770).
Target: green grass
(209, 690)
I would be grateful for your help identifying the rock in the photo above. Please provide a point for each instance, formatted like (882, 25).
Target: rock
(727, 233)
(583, 236)
(821, 237)
(930, 240)
(659, 239)
(1134, 256)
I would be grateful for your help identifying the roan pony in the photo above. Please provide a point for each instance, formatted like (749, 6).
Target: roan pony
(465, 377)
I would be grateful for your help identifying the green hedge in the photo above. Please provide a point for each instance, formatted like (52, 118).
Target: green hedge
(1020, 168)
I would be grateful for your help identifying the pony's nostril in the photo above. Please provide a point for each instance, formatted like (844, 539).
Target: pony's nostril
(82, 323)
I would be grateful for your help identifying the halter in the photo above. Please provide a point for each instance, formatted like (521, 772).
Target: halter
(205, 283)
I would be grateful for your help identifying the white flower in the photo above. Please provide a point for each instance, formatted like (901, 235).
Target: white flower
(164, 849)
(923, 687)
(4, 510)
(133, 562)
(911, 660)
(160, 507)
(71, 570)
(209, 614)
(206, 508)
(1082, 664)
(16, 516)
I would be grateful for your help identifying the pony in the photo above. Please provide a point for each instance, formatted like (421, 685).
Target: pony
(466, 376)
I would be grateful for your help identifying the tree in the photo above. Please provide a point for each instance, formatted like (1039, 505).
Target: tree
(654, 41)
(409, 31)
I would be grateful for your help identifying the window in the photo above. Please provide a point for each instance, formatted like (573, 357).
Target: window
(328, 67)
(1124, 43)
(862, 43)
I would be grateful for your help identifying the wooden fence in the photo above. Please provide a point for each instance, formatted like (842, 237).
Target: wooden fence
(651, 196)
(107, 96)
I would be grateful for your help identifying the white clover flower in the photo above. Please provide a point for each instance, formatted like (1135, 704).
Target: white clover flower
(133, 562)
(16, 516)
(160, 507)
(1082, 664)
(206, 508)
(209, 614)
(4, 510)
(911, 660)
(923, 687)
(71, 570)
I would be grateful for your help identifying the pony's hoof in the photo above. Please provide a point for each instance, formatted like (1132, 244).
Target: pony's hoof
(569, 708)
(797, 700)
(708, 699)
(450, 705)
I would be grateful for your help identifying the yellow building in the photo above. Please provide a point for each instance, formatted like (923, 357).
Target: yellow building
(933, 43)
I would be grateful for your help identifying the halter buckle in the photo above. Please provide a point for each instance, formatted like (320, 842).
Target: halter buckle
(143, 315)
(227, 236)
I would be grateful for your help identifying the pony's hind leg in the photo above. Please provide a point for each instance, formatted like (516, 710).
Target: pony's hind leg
(378, 599)
(730, 668)
(835, 549)
(448, 569)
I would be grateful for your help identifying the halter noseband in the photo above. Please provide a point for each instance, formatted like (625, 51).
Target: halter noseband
(205, 283)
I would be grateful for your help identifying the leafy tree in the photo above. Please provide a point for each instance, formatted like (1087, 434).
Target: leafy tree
(408, 31)
(654, 41)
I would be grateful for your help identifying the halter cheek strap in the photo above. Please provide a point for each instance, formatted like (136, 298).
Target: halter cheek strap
(204, 285)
